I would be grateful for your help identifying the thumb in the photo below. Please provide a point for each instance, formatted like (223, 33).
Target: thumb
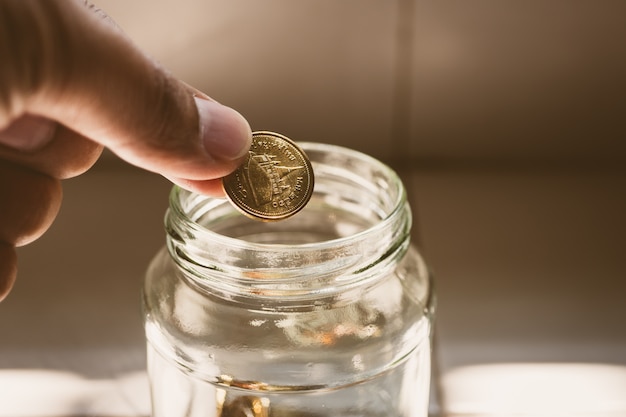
(73, 67)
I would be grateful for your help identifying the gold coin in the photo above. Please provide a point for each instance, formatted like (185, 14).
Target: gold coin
(274, 182)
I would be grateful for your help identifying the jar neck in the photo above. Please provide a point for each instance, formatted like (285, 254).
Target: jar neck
(356, 226)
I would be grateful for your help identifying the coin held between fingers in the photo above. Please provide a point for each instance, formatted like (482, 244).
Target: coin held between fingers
(275, 180)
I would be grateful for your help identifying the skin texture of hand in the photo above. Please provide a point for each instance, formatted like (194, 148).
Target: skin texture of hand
(72, 83)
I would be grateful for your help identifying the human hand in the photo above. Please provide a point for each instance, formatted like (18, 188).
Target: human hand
(72, 83)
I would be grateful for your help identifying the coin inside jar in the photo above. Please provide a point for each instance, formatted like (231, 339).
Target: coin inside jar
(274, 182)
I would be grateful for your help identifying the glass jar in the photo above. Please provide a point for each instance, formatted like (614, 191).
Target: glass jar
(327, 313)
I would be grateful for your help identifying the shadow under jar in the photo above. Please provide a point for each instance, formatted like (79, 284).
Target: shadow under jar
(327, 313)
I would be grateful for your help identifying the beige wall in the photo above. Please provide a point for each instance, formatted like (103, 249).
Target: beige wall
(429, 80)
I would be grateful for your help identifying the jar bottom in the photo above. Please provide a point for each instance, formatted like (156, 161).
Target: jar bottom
(402, 390)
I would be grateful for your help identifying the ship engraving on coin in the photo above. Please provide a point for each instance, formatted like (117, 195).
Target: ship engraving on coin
(274, 182)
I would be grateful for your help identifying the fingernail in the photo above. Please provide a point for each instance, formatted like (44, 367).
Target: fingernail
(28, 133)
(224, 132)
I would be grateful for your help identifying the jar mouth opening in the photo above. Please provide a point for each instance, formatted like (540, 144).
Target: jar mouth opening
(348, 183)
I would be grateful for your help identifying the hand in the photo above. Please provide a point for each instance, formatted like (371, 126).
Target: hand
(71, 83)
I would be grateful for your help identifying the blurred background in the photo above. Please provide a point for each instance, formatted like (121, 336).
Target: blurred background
(506, 121)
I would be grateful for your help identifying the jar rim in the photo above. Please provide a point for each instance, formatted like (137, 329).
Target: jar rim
(177, 194)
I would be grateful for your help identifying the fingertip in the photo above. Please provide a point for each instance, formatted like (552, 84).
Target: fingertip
(31, 204)
(225, 133)
(211, 188)
(8, 269)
